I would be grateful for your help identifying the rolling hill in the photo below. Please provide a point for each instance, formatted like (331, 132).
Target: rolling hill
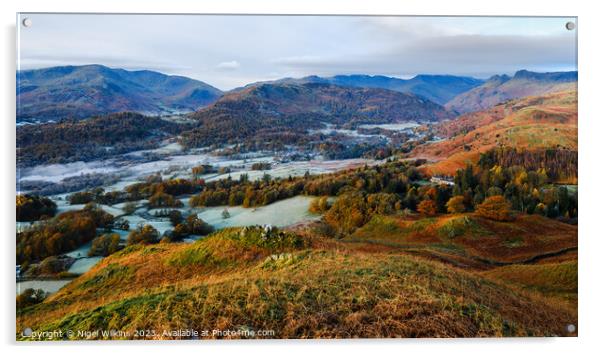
(500, 88)
(83, 91)
(300, 287)
(437, 88)
(532, 123)
(96, 137)
(276, 109)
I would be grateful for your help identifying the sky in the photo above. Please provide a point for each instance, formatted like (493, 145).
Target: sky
(232, 51)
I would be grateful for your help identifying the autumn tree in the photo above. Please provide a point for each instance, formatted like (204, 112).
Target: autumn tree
(33, 207)
(495, 208)
(161, 199)
(145, 234)
(319, 205)
(104, 245)
(427, 207)
(455, 205)
(347, 213)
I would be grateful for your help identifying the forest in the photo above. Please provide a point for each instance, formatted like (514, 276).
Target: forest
(82, 140)
(60, 234)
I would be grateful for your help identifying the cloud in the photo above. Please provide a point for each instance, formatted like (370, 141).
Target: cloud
(228, 65)
(301, 45)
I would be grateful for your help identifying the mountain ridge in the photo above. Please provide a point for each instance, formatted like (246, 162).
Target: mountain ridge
(83, 91)
(500, 88)
(266, 109)
(437, 88)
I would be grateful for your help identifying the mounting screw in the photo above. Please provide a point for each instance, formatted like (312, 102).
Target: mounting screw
(570, 25)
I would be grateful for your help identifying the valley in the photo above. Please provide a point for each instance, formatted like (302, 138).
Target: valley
(347, 206)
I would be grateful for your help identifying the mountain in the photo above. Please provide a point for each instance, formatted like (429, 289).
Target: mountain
(84, 91)
(500, 88)
(437, 88)
(277, 109)
(531, 123)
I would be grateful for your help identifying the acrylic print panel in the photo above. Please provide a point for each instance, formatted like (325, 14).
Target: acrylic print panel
(261, 177)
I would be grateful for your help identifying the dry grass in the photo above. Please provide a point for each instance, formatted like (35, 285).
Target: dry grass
(333, 295)
(318, 287)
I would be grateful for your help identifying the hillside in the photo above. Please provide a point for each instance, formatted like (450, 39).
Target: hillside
(83, 91)
(282, 112)
(532, 123)
(500, 88)
(300, 286)
(97, 137)
(437, 88)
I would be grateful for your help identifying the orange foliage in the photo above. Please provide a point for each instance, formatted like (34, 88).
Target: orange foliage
(427, 207)
(495, 208)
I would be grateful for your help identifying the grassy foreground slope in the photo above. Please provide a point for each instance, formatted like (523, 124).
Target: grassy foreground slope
(300, 287)
(541, 122)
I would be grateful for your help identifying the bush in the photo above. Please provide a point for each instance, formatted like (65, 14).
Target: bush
(105, 245)
(319, 205)
(30, 297)
(495, 208)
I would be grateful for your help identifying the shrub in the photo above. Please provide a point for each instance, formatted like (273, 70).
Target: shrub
(225, 214)
(319, 205)
(495, 208)
(30, 297)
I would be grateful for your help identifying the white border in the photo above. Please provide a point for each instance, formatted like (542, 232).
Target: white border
(589, 172)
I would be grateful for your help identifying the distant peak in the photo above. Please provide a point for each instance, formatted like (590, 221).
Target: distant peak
(499, 78)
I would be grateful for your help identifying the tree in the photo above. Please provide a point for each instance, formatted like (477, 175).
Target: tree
(197, 226)
(495, 208)
(225, 214)
(104, 245)
(175, 217)
(33, 207)
(347, 213)
(162, 199)
(455, 205)
(129, 208)
(319, 205)
(427, 207)
(145, 234)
